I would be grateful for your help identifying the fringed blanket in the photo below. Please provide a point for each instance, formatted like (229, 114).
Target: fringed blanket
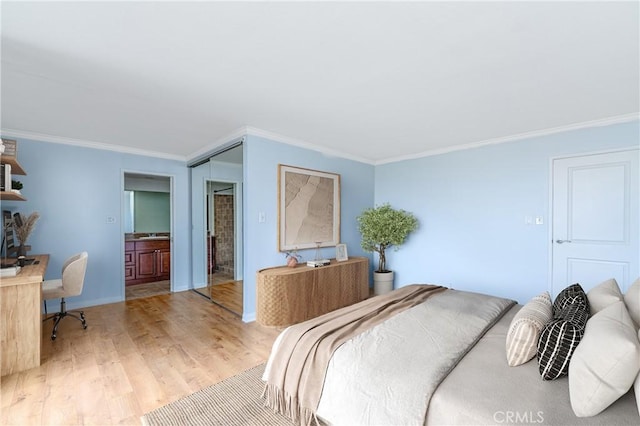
(298, 363)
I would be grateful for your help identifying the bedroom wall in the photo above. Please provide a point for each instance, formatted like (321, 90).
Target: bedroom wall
(472, 206)
(261, 159)
(75, 189)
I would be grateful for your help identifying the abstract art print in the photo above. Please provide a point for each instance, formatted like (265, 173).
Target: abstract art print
(308, 208)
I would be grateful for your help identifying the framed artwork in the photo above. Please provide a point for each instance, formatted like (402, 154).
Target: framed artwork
(341, 253)
(308, 208)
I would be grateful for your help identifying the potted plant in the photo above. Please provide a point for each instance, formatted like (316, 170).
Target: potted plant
(382, 227)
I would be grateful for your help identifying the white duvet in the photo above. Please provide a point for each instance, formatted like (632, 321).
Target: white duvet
(386, 376)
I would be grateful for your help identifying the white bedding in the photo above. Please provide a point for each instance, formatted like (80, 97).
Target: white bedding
(387, 374)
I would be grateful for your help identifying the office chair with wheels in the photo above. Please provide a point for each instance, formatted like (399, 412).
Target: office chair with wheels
(69, 285)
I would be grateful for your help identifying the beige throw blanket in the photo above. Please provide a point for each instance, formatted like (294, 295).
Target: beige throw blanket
(299, 363)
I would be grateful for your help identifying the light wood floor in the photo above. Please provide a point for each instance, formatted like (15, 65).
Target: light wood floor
(223, 290)
(148, 289)
(228, 295)
(135, 356)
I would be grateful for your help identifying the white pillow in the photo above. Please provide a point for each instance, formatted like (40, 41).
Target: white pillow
(525, 328)
(632, 300)
(636, 385)
(605, 364)
(603, 295)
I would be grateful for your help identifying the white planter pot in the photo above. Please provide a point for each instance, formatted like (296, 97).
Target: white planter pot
(382, 282)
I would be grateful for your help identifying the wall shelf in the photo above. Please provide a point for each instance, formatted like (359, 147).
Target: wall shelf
(16, 168)
(11, 196)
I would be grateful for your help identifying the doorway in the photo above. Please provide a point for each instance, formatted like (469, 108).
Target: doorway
(147, 235)
(217, 229)
(595, 233)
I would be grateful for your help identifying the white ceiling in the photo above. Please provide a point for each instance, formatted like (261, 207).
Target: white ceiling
(371, 81)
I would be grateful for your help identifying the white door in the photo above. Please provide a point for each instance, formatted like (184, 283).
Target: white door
(595, 227)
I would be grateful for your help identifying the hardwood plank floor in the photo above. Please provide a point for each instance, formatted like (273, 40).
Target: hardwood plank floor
(155, 288)
(135, 356)
(228, 295)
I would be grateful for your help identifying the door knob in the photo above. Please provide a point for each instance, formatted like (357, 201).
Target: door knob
(563, 241)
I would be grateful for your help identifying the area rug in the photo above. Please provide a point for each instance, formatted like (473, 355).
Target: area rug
(234, 401)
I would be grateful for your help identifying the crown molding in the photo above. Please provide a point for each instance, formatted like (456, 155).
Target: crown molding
(208, 149)
(626, 118)
(254, 131)
(87, 144)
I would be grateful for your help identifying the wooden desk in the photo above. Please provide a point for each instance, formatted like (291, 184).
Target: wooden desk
(21, 317)
(288, 296)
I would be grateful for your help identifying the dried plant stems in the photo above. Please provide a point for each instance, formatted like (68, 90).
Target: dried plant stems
(27, 227)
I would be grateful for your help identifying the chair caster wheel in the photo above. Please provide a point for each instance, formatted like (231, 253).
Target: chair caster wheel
(53, 337)
(84, 326)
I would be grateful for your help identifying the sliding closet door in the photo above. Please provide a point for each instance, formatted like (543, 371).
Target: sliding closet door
(199, 177)
(216, 215)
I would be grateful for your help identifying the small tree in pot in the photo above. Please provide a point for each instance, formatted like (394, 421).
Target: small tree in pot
(382, 227)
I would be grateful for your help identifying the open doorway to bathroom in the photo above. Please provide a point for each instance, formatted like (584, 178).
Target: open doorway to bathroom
(147, 235)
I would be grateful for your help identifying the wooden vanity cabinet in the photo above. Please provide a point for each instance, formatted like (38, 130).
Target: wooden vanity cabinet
(129, 261)
(150, 260)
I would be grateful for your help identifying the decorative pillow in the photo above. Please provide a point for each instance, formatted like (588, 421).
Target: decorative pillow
(606, 363)
(636, 385)
(570, 295)
(604, 294)
(632, 300)
(525, 328)
(559, 339)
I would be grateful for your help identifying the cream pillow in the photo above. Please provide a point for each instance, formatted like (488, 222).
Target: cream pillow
(605, 364)
(525, 328)
(603, 295)
(632, 300)
(636, 385)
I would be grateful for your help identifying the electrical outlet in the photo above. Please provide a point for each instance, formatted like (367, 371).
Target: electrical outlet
(111, 219)
(261, 217)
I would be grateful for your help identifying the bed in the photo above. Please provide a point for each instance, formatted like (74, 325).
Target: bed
(440, 360)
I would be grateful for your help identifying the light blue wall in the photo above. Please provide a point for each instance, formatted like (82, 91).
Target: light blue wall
(261, 160)
(75, 189)
(472, 204)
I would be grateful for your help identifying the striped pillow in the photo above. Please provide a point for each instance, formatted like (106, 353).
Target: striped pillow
(525, 328)
(559, 339)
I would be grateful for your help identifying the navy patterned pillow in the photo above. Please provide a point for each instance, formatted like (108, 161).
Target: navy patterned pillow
(570, 295)
(560, 337)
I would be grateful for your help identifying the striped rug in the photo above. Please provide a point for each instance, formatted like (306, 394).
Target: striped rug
(234, 401)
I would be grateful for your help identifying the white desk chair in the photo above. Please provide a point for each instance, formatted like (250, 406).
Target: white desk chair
(69, 285)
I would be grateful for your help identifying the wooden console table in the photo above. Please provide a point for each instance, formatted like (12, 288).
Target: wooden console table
(288, 296)
(21, 317)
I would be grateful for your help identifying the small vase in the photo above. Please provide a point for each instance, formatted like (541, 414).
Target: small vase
(22, 250)
(292, 262)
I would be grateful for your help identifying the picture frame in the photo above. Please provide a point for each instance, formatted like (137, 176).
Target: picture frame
(341, 253)
(299, 191)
